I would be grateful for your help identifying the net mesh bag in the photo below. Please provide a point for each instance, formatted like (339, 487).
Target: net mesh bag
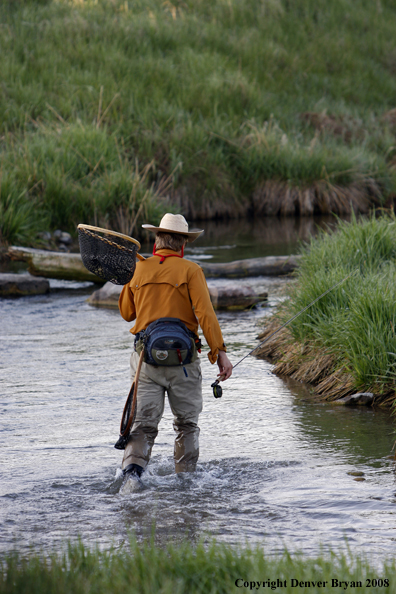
(109, 255)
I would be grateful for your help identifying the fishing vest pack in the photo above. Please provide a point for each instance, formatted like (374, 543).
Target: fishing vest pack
(168, 342)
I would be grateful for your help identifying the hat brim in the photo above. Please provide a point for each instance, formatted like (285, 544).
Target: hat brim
(191, 235)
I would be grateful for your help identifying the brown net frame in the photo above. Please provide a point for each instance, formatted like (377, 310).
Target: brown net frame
(108, 254)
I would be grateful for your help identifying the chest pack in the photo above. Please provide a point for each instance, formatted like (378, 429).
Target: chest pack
(168, 342)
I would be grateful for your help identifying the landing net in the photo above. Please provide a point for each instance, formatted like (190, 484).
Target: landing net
(108, 254)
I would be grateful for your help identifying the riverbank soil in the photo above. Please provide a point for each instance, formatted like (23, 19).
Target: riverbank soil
(346, 342)
(113, 112)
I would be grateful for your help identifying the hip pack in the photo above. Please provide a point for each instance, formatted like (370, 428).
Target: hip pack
(168, 342)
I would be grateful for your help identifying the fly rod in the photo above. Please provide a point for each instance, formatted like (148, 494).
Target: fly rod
(218, 390)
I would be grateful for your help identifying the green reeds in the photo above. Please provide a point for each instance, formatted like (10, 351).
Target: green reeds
(74, 173)
(355, 323)
(174, 569)
(273, 107)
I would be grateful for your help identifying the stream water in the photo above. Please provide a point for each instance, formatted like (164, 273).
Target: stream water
(274, 467)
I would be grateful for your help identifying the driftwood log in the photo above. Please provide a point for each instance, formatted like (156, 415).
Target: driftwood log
(70, 267)
(221, 297)
(59, 265)
(268, 266)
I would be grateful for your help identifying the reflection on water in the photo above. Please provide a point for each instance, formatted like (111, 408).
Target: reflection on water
(225, 241)
(274, 463)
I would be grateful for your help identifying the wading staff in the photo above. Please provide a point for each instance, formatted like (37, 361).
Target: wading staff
(218, 390)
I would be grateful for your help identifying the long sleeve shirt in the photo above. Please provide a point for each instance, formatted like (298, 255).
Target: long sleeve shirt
(173, 288)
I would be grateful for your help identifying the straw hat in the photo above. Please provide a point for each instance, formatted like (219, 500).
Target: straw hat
(171, 223)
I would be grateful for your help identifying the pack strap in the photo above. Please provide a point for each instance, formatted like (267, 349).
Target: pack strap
(181, 361)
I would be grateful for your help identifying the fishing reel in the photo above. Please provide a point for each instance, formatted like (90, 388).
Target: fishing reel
(217, 389)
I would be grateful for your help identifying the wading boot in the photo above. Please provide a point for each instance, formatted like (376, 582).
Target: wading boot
(133, 471)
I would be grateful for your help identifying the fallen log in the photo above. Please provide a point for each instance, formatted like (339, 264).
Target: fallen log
(70, 267)
(59, 265)
(18, 285)
(268, 266)
(221, 297)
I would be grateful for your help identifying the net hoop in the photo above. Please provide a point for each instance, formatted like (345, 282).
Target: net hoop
(109, 232)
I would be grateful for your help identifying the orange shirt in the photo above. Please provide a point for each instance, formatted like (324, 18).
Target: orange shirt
(174, 289)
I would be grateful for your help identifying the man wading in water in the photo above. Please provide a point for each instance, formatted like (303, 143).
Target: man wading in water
(167, 286)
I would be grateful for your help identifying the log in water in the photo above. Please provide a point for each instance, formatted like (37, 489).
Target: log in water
(59, 265)
(70, 267)
(268, 266)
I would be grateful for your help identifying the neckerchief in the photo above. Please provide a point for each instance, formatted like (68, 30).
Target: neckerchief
(163, 256)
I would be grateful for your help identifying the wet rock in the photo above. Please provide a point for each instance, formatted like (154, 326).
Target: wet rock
(45, 235)
(63, 237)
(359, 479)
(18, 285)
(106, 296)
(355, 473)
(362, 399)
(66, 238)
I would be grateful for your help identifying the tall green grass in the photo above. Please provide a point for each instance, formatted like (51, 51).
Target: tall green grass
(214, 94)
(182, 569)
(355, 322)
(65, 175)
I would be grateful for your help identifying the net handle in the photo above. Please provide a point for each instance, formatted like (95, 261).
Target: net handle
(133, 390)
(115, 233)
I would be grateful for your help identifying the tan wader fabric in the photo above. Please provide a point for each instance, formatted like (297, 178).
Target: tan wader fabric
(185, 400)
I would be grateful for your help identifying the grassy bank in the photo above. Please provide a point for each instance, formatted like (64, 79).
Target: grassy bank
(181, 569)
(111, 110)
(346, 342)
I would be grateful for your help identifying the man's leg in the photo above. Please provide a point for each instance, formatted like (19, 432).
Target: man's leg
(185, 399)
(150, 408)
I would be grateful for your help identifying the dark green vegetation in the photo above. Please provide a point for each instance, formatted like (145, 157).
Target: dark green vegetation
(347, 341)
(112, 109)
(182, 569)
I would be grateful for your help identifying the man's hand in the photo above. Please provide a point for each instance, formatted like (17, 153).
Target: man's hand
(225, 366)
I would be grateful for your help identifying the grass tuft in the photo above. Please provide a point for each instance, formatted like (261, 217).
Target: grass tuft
(346, 341)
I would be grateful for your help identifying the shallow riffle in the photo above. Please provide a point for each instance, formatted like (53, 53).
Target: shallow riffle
(274, 462)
